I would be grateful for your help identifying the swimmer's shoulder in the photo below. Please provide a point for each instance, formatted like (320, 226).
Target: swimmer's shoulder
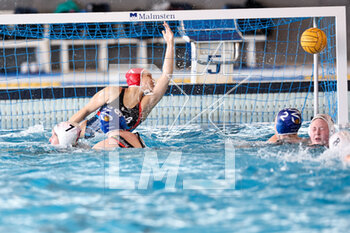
(305, 140)
(273, 139)
(291, 141)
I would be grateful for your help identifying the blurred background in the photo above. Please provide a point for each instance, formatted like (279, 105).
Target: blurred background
(44, 6)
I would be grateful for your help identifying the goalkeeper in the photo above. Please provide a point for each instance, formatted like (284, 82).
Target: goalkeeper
(125, 108)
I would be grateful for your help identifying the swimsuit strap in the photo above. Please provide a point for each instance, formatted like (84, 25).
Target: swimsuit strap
(121, 98)
(141, 140)
(122, 142)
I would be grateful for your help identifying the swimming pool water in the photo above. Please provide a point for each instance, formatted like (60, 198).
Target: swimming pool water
(290, 188)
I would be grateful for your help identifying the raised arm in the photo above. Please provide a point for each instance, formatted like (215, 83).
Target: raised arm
(168, 67)
(99, 99)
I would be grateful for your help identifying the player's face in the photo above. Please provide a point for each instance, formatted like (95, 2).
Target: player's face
(319, 132)
(147, 81)
(54, 139)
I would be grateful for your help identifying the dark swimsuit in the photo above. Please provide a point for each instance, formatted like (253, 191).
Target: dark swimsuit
(125, 144)
(114, 116)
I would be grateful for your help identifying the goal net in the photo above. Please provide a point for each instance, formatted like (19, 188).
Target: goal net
(231, 66)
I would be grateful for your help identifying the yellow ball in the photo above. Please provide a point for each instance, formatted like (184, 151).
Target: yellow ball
(313, 40)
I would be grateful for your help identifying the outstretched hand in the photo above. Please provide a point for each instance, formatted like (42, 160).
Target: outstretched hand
(168, 35)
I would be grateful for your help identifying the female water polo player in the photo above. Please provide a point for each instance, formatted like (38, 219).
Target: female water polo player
(66, 134)
(125, 108)
(320, 129)
(287, 125)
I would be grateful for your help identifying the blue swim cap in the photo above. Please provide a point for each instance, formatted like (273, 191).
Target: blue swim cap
(288, 121)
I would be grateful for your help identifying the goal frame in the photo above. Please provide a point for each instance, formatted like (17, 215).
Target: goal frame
(339, 12)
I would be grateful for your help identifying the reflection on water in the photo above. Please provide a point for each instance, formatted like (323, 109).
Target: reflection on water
(277, 188)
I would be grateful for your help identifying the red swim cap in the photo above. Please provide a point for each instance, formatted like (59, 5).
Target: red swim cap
(133, 76)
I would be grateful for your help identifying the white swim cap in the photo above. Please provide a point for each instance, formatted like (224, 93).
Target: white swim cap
(340, 139)
(67, 133)
(327, 118)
